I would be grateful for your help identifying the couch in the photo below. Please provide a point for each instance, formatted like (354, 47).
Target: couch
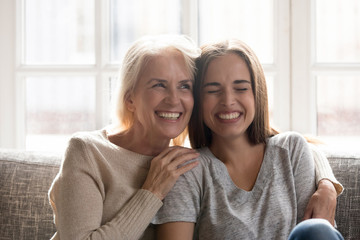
(25, 178)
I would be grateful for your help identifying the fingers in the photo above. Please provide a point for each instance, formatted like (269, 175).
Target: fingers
(176, 161)
(321, 205)
(179, 160)
(174, 156)
(166, 168)
(187, 167)
(170, 152)
(308, 212)
(325, 214)
(333, 217)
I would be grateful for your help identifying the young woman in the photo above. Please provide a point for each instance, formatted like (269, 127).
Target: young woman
(251, 183)
(112, 182)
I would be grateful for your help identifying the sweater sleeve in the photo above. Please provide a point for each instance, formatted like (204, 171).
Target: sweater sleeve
(137, 214)
(77, 196)
(304, 173)
(323, 169)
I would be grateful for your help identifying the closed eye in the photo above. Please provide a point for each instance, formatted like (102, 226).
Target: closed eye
(242, 85)
(213, 91)
(212, 87)
(241, 89)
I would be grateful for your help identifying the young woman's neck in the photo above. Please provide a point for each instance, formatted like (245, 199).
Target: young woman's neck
(237, 149)
(242, 159)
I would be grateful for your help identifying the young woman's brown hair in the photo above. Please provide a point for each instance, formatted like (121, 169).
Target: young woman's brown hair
(199, 134)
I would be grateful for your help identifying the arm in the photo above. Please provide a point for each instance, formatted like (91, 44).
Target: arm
(323, 202)
(323, 169)
(304, 174)
(181, 207)
(175, 231)
(77, 197)
(167, 167)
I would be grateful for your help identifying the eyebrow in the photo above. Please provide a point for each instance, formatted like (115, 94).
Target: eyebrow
(165, 81)
(216, 84)
(241, 81)
(187, 80)
(156, 80)
(211, 84)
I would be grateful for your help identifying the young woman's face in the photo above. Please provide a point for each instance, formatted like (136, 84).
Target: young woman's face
(163, 101)
(228, 100)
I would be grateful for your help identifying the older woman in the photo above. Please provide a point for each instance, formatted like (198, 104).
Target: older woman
(252, 182)
(112, 181)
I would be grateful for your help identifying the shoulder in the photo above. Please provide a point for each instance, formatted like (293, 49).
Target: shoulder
(89, 136)
(82, 140)
(287, 140)
(81, 146)
(294, 147)
(209, 167)
(291, 145)
(206, 159)
(201, 170)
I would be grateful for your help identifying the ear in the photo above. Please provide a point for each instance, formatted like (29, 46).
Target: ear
(129, 102)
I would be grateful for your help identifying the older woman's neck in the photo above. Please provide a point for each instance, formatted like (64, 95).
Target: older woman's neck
(139, 142)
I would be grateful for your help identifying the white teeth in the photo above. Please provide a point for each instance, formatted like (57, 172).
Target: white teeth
(229, 116)
(169, 116)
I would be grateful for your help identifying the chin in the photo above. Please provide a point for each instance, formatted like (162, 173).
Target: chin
(172, 135)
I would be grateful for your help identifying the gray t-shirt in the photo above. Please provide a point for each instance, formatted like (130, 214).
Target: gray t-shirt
(207, 195)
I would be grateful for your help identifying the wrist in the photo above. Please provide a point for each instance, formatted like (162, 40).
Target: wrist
(153, 191)
(327, 185)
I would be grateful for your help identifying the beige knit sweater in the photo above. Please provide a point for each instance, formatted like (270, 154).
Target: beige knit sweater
(97, 195)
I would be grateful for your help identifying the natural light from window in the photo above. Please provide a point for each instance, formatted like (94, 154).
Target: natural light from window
(63, 34)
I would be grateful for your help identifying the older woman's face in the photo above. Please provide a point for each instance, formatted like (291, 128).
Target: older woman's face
(163, 101)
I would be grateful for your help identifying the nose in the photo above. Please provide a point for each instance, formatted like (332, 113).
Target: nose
(172, 97)
(227, 98)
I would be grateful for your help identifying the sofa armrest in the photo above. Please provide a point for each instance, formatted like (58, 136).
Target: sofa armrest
(346, 168)
(25, 179)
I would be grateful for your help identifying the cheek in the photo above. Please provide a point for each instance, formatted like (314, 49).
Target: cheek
(209, 101)
(250, 103)
(151, 98)
(188, 101)
(207, 106)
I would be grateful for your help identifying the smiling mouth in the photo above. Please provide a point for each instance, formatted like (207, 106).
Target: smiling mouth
(169, 115)
(229, 116)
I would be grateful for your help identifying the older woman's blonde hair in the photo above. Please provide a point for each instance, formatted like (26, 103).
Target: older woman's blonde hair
(199, 134)
(133, 64)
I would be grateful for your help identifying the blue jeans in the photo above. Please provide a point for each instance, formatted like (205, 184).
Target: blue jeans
(315, 228)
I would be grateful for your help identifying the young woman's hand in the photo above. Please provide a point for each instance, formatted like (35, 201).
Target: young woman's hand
(322, 203)
(166, 168)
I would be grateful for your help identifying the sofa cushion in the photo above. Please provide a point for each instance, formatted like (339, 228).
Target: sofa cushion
(25, 178)
(24, 182)
(346, 168)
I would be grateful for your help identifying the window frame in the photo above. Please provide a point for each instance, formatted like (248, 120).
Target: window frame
(304, 68)
(294, 69)
(101, 71)
(7, 72)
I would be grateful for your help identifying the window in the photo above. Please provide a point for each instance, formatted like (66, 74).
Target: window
(130, 20)
(337, 88)
(61, 60)
(326, 71)
(58, 32)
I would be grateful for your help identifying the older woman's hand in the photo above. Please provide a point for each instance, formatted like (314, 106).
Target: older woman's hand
(322, 203)
(166, 168)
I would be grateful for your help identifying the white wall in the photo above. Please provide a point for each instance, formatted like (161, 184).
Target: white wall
(7, 79)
